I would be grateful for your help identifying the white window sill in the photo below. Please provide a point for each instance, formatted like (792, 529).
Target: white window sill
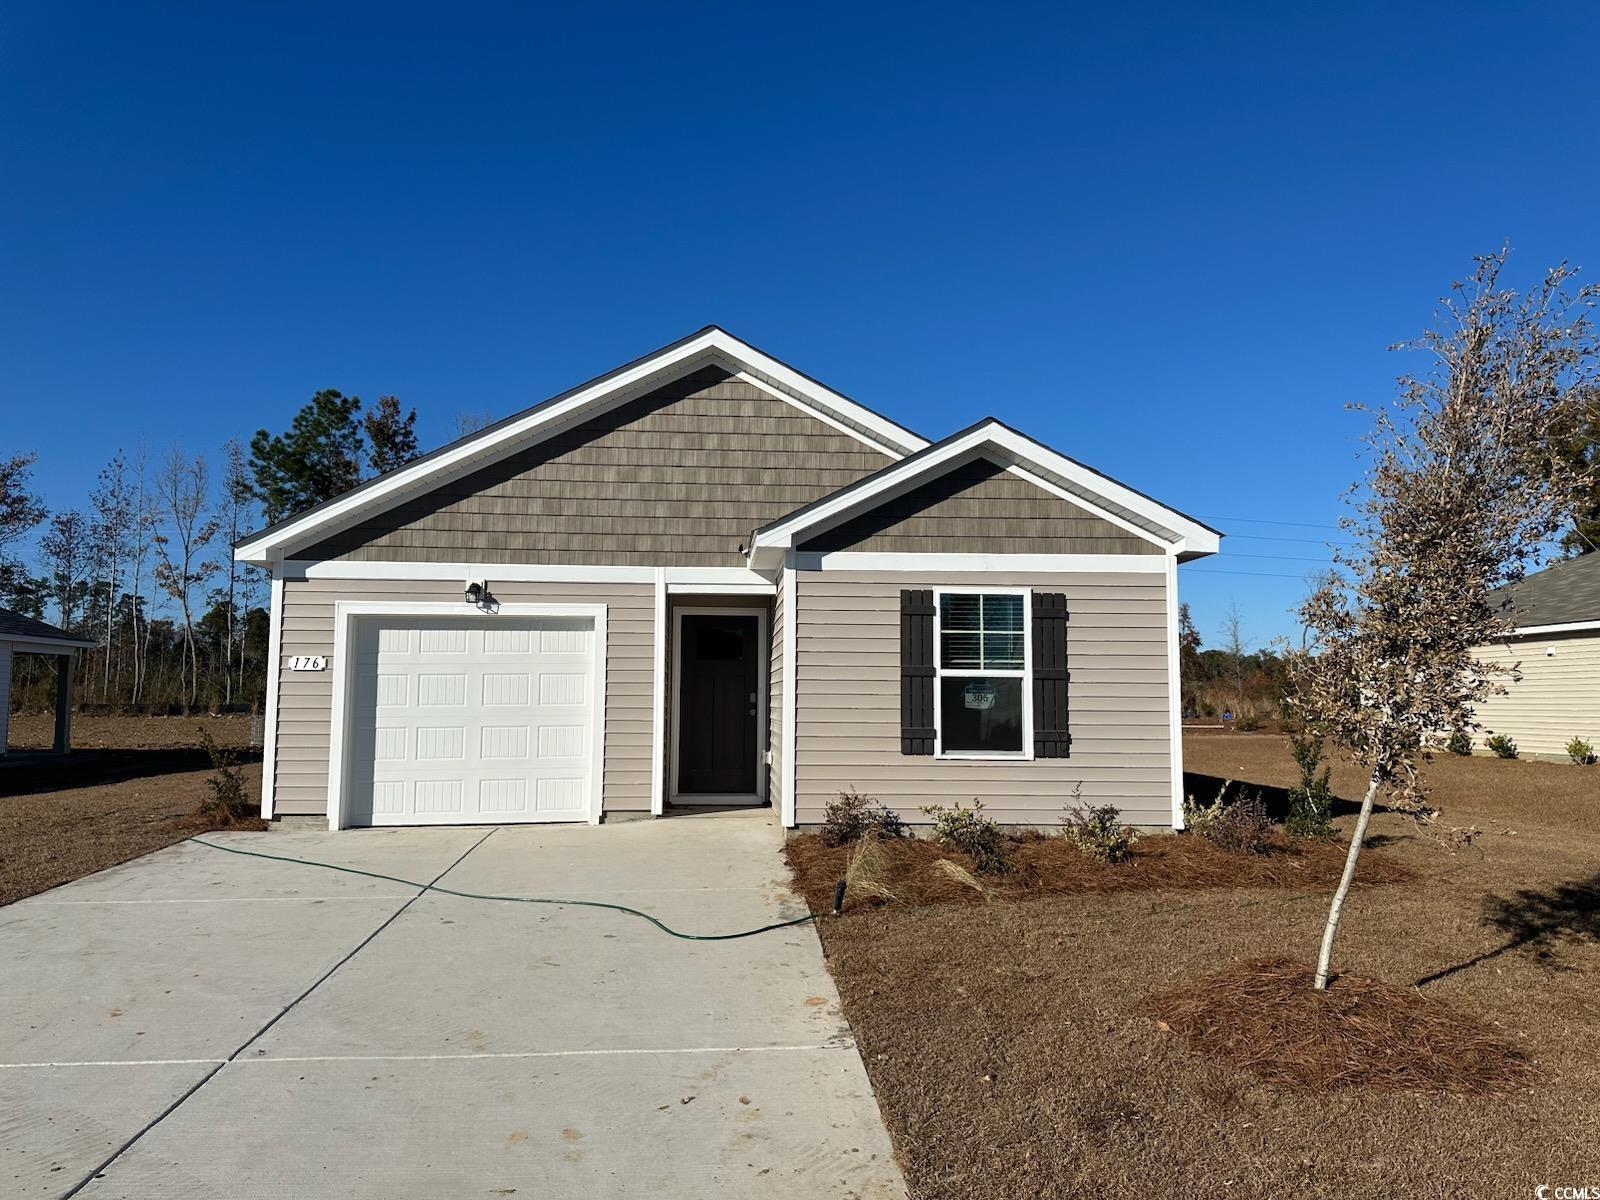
(977, 756)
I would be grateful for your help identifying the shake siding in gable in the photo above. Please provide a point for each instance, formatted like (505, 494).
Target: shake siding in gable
(678, 477)
(848, 701)
(980, 507)
(305, 698)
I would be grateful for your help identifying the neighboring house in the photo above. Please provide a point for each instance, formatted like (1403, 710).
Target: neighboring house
(1557, 644)
(707, 579)
(24, 635)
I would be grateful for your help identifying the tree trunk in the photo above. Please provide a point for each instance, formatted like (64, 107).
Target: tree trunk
(1337, 907)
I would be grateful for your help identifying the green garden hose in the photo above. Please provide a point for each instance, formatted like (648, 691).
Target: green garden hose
(621, 908)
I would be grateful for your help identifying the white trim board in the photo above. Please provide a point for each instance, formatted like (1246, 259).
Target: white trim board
(691, 577)
(848, 560)
(658, 698)
(763, 652)
(709, 347)
(269, 736)
(1174, 692)
(346, 612)
(791, 671)
(1566, 627)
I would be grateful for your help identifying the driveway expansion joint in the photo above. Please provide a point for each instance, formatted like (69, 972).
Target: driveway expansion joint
(100, 1170)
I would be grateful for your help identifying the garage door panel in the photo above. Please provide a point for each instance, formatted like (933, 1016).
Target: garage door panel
(488, 722)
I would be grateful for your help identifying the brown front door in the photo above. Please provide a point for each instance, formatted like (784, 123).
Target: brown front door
(719, 674)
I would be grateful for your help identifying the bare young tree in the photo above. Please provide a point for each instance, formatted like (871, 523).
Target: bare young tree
(1233, 641)
(1461, 493)
(110, 529)
(140, 539)
(233, 520)
(66, 553)
(181, 489)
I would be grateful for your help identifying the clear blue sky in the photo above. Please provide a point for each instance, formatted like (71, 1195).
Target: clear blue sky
(1171, 240)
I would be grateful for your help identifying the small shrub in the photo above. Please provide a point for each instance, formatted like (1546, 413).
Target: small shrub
(1580, 752)
(1502, 746)
(1099, 832)
(1247, 723)
(1311, 800)
(1199, 818)
(1460, 743)
(228, 804)
(972, 833)
(1241, 826)
(850, 817)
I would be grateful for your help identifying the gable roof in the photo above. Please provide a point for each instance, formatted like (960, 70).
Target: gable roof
(991, 438)
(711, 346)
(1565, 593)
(14, 627)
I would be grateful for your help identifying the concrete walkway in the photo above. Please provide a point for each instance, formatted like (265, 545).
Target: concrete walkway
(261, 1029)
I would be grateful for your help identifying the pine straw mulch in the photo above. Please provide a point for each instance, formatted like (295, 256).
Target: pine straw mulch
(1262, 1014)
(919, 870)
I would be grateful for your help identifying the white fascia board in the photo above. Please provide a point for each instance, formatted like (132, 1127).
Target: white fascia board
(56, 646)
(464, 572)
(1019, 453)
(681, 579)
(1047, 564)
(1568, 627)
(712, 346)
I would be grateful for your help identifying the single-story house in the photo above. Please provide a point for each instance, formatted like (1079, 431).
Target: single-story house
(704, 578)
(1556, 644)
(24, 635)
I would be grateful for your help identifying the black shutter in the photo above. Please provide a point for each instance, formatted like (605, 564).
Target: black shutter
(1050, 736)
(916, 672)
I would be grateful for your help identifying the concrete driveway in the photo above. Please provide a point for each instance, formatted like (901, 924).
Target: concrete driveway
(224, 1026)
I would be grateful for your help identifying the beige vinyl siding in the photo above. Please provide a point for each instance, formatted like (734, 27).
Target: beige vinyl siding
(305, 697)
(982, 508)
(678, 477)
(775, 704)
(848, 701)
(1557, 698)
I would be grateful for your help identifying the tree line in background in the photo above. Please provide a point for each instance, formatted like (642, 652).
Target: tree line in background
(1232, 679)
(145, 568)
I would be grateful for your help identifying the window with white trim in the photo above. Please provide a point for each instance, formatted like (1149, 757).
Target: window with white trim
(982, 695)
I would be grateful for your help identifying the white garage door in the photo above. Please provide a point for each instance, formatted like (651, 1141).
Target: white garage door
(485, 721)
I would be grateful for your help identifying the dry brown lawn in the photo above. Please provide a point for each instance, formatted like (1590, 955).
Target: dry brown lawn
(133, 787)
(1014, 1056)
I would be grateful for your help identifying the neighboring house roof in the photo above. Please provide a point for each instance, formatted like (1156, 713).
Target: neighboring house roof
(711, 346)
(14, 627)
(990, 438)
(1564, 594)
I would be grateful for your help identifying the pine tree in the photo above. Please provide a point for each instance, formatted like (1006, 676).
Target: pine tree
(391, 438)
(316, 460)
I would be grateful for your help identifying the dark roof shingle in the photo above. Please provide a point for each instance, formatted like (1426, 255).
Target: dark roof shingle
(16, 627)
(1560, 594)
